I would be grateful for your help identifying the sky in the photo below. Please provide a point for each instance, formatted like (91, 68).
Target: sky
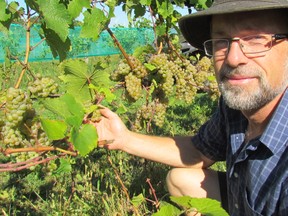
(120, 16)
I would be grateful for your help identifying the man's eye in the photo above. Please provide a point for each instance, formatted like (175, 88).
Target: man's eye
(254, 38)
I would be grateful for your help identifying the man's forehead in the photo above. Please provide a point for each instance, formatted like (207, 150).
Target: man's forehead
(249, 21)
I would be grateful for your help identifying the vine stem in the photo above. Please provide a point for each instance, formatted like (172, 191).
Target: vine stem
(21, 166)
(36, 149)
(120, 48)
(27, 53)
(157, 204)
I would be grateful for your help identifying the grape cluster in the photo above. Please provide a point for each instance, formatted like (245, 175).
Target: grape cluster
(203, 67)
(177, 76)
(133, 86)
(205, 78)
(122, 70)
(37, 135)
(131, 76)
(17, 104)
(158, 60)
(154, 112)
(186, 87)
(19, 129)
(139, 70)
(43, 86)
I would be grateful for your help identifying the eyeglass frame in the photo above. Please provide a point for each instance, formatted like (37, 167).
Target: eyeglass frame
(230, 40)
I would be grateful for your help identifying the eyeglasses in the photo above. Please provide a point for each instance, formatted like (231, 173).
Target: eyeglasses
(250, 45)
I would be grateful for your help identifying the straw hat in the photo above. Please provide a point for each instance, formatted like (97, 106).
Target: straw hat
(196, 27)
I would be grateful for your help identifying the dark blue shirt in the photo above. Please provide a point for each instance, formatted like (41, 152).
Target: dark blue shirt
(257, 171)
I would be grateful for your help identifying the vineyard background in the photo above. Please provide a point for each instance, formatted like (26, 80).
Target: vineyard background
(55, 170)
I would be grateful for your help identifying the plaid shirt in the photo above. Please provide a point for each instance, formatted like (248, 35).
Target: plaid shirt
(257, 171)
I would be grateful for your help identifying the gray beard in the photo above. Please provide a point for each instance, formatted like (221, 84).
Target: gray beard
(246, 100)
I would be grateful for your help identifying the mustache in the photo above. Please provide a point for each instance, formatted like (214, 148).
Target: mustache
(226, 72)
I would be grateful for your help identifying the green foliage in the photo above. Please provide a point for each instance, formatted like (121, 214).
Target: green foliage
(205, 206)
(85, 139)
(79, 76)
(92, 29)
(55, 129)
(53, 14)
(60, 171)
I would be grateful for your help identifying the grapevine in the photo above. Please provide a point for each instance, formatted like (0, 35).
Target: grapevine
(30, 137)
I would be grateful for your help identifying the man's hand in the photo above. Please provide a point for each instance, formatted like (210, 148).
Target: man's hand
(112, 132)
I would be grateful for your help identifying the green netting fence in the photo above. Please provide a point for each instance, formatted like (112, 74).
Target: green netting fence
(130, 39)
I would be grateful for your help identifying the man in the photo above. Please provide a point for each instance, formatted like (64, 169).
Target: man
(249, 45)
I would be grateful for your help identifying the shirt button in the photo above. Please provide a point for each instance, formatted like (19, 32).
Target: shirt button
(236, 206)
(235, 174)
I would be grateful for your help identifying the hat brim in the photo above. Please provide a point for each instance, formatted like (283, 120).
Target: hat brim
(196, 27)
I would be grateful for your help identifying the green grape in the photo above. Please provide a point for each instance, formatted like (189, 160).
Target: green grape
(137, 126)
(159, 116)
(203, 67)
(37, 135)
(24, 156)
(139, 69)
(154, 111)
(11, 136)
(43, 139)
(204, 64)
(43, 87)
(17, 105)
(158, 60)
(122, 70)
(133, 86)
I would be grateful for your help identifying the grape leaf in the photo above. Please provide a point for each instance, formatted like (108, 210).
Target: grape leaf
(65, 167)
(145, 2)
(57, 106)
(150, 67)
(57, 46)
(161, 29)
(78, 77)
(76, 111)
(75, 7)
(208, 207)
(182, 201)
(168, 209)
(138, 200)
(3, 12)
(8, 13)
(56, 17)
(204, 206)
(77, 87)
(84, 140)
(121, 109)
(109, 96)
(95, 22)
(165, 8)
(68, 108)
(54, 129)
(139, 10)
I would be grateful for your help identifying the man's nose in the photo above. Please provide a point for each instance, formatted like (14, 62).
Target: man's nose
(235, 55)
